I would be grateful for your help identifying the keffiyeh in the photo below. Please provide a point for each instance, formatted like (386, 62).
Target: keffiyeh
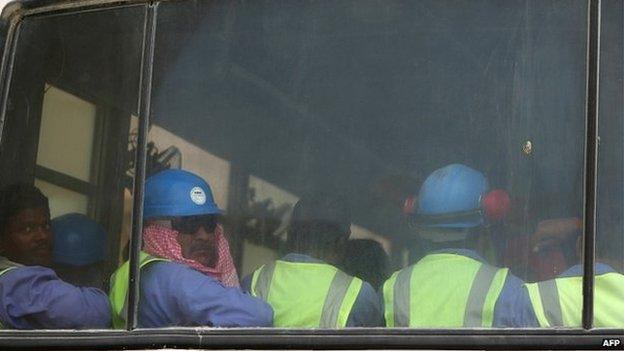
(162, 241)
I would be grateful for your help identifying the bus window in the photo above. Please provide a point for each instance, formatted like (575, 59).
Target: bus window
(309, 165)
(66, 166)
(449, 133)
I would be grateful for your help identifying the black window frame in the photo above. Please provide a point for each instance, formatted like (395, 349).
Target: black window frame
(586, 337)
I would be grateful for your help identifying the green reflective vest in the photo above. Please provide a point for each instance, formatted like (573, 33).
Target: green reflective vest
(559, 302)
(118, 295)
(5, 266)
(443, 290)
(307, 295)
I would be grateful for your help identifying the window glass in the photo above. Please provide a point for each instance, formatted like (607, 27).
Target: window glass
(609, 280)
(67, 161)
(438, 142)
(62, 200)
(264, 234)
(71, 156)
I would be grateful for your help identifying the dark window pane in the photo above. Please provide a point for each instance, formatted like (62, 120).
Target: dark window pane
(73, 92)
(346, 109)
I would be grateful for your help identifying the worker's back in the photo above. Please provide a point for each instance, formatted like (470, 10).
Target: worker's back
(443, 290)
(305, 294)
(559, 302)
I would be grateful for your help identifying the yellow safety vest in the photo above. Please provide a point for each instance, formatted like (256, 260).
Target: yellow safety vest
(306, 295)
(118, 295)
(559, 302)
(443, 290)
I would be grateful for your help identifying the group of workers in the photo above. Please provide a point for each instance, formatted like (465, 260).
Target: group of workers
(188, 277)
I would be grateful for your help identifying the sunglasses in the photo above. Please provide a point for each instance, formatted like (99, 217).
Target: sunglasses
(191, 224)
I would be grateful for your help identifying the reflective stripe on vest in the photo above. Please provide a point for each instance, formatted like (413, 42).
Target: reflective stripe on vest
(559, 302)
(314, 295)
(6, 264)
(118, 295)
(443, 290)
(6, 270)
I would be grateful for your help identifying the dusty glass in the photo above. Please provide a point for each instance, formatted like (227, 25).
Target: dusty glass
(609, 279)
(67, 161)
(445, 137)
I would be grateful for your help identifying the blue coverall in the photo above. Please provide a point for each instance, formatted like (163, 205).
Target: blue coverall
(173, 294)
(33, 297)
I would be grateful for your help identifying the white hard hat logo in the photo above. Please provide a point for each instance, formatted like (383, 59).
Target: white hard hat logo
(198, 196)
(74, 238)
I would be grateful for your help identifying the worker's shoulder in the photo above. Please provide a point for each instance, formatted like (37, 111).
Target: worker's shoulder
(174, 272)
(164, 267)
(27, 277)
(29, 272)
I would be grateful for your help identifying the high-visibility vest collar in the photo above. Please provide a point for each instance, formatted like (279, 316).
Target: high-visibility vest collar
(6, 265)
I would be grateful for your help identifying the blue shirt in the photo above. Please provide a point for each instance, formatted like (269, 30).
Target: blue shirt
(577, 270)
(34, 297)
(508, 311)
(366, 311)
(525, 307)
(173, 294)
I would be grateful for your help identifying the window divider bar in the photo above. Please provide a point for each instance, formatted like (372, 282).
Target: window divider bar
(6, 65)
(64, 180)
(145, 95)
(591, 161)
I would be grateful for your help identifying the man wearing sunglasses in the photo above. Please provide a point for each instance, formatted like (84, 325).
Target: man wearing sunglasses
(32, 296)
(198, 239)
(188, 277)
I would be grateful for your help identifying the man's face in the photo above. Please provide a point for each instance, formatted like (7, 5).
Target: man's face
(197, 238)
(28, 239)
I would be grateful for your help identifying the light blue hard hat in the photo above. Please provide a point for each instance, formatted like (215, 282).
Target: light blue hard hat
(451, 197)
(78, 240)
(174, 192)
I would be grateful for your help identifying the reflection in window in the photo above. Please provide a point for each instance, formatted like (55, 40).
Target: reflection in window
(62, 200)
(269, 209)
(68, 154)
(65, 163)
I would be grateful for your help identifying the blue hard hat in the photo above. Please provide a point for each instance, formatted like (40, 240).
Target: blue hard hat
(174, 192)
(454, 189)
(78, 240)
